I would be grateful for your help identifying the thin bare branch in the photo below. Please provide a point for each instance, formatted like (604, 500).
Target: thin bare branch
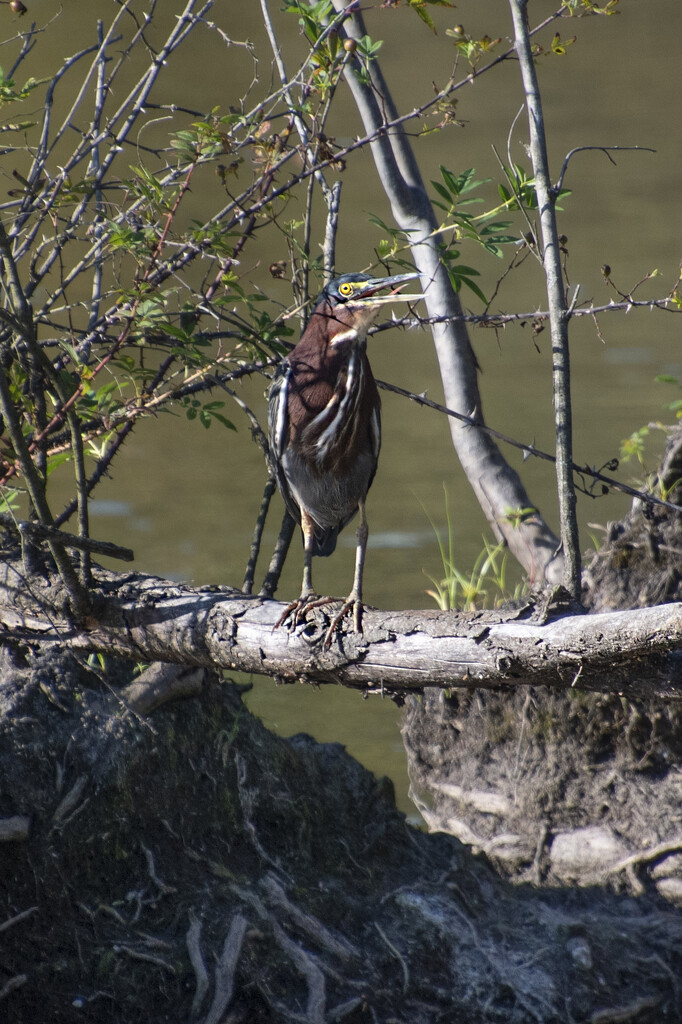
(68, 540)
(558, 310)
(602, 149)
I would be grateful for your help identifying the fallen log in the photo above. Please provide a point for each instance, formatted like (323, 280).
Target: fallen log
(151, 619)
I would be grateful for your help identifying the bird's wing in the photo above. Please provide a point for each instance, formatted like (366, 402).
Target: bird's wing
(278, 433)
(278, 418)
(375, 434)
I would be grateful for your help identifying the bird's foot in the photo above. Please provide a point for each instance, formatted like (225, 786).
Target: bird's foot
(298, 610)
(351, 604)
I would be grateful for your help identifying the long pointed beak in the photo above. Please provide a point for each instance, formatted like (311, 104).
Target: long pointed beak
(395, 283)
(386, 282)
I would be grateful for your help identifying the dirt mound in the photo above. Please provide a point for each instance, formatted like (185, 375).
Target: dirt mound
(190, 865)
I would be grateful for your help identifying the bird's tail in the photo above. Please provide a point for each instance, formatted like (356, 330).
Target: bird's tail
(324, 543)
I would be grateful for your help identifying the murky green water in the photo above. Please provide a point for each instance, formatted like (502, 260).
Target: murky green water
(185, 499)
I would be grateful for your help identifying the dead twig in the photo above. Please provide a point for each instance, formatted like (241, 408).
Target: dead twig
(622, 1014)
(149, 958)
(271, 580)
(161, 683)
(151, 868)
(38, 531)
(646, 856)
(226, 968)
(16, 982)
(70, 804)
(398, 955)
(17, 919)
(193, 944)
(305, 965)
(314, 928)
(268, 491)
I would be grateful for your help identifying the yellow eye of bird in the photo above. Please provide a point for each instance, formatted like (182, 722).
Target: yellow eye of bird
(346, 288)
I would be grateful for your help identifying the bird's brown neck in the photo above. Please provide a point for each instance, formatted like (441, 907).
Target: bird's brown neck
(325, 347)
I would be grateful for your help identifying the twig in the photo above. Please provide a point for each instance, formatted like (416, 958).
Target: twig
(68, 540)
(558, 313)
(70, 804)
(16, 982)
(310, 152)
(398, 955)
(329, 249)
(286, 88)
(226, 968)
(81, 492)
(530, 449)
(101, 467)
(246, 802)
(151, 868)
(94, 170)
(149, 958)
(272, 576)
(35, 479)
(647, 856)
(344, 1009)
(254, 551)
(17, 918)
(193, 944)
(501, 319)
(305, 965)
(601, 149)
(36, 490)
(29, 41)
(540, 847)
(307, 923)
(625, 1013)
(159, 684)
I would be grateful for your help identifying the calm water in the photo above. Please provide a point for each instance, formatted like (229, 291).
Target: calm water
(185, 499)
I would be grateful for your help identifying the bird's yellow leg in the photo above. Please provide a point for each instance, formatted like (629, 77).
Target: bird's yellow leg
(309, 600)
(354, 600)
(308, 536)
(298, 609)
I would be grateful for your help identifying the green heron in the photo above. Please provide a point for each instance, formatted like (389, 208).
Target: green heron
(325, 428)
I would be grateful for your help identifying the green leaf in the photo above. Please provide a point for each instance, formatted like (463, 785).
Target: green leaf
(9, 499)
(463, 271)
(419, 7)
(460, 274)
(442, 191)
(475, 289)
(54, 461)
(452, 182)
(368, 48)
(126, 363)
(172, 331)
(225, 422)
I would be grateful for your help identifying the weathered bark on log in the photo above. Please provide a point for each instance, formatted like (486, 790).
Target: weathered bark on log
(150, 619)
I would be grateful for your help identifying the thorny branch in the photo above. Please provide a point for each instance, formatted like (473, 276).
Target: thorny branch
(558, 308)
